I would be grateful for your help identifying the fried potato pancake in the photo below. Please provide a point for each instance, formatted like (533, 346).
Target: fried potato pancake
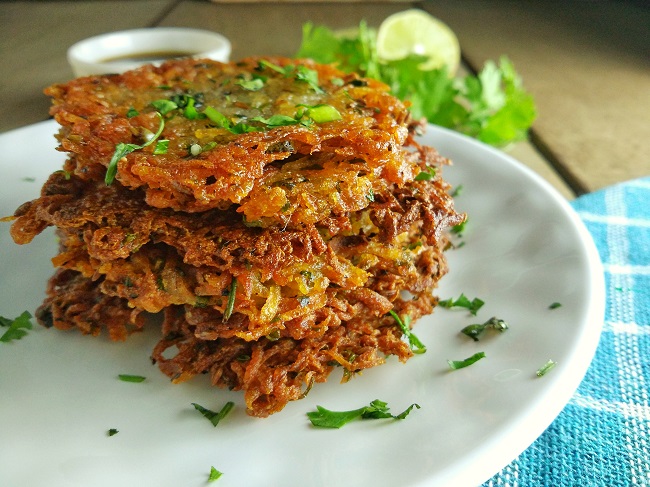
(288, 211)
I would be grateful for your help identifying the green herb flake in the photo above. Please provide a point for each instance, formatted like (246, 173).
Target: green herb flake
(254, 84)
(132, 112)
(543, 370)
(164, 106)
(463, 302)
(122, 150)
(474, 331)
(416, 345)
(16, 328)
(112, 432)
(131, 378)
(212, 416)
(161, 147)
(308, 76)
(460, 228)
(324, 418)
(492, 106)
(214, 474)
(459, 364)
(555, 305)
(427, 175)
(323, 113)
(277, 120)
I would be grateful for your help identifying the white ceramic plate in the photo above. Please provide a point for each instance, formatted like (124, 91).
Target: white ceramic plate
(524, 249)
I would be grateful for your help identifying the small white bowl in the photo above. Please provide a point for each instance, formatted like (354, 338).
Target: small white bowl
(117, 52)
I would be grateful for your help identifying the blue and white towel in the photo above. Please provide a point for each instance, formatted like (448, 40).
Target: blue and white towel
(602, 437)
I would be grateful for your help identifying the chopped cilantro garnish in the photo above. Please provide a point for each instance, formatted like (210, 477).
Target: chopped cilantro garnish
(459, 364)
(164, 106)
(474, 331)
(416, 345)
(161, 147)
(555, 305)
(545, 368)
(17, 328)
(277, 120)
(214, 474)
(230, 306)
(460, 228)
(324, 418)
(131, 378)
(132, 112)
(122, 149)
(457, 190)
(463, 302)
(308, 76)
(112, 432)
(322, 113)
(214, 417)
(428, 174)
(254, 84)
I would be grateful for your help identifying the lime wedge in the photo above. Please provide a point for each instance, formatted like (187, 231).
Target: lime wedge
(414, 31)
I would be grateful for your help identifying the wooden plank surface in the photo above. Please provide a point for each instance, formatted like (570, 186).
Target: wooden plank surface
(588, 67)
(34, 38)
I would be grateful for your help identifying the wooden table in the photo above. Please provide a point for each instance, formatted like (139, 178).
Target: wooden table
(586, 63)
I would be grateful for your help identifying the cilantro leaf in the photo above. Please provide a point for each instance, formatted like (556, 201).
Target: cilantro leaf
(131, 378)
(212, 416)
(214, 474)
(463, 302)
(17, 328)
(324, 418)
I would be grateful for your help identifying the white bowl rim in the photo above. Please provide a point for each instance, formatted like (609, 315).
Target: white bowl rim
(90, 54)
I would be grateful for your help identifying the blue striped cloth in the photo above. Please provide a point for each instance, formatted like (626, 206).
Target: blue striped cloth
(602, 437)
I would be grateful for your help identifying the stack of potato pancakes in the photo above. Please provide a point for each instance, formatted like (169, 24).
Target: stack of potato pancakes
(274, 211)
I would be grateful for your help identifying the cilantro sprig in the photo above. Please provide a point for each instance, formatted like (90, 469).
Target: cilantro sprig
(325, 418)
(492, 106)
(17, 328)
